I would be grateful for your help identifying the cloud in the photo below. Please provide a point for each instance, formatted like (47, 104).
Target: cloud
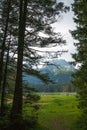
(64, 26)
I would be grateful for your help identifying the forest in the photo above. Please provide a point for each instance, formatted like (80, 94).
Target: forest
(25, 29)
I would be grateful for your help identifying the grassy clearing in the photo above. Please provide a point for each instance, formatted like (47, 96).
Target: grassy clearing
(57, 112)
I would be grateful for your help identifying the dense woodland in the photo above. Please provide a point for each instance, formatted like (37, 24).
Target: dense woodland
(21, 22)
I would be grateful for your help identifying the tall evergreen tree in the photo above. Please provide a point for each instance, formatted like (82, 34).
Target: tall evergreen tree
(80, 35)
(3, 92)
(5, 29)
(5, 14)
(6, 33)
(25, 19)
(34, 17)
(17, 101)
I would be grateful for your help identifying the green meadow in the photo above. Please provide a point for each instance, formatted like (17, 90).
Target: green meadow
(58, 111)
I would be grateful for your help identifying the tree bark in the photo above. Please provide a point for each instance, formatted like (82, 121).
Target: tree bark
(2, 110)
(3, 43)
(16, 111)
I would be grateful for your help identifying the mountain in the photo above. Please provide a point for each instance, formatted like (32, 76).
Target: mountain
(59, 71)
(32, 79)
(61, 65)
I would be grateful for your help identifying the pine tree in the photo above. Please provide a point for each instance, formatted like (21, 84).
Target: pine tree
(17, 101)
(80, 35)
(23, 20)
(5, 28)
(34, 17)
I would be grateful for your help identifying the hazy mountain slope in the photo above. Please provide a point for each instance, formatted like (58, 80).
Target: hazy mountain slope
(60, 71)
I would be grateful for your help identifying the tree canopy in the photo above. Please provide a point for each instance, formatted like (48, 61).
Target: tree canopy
(80, 35)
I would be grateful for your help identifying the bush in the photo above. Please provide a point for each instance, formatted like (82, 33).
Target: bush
(4, 122)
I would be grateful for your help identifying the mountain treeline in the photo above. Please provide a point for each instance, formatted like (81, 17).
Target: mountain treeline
(21, 22)
(68, 87)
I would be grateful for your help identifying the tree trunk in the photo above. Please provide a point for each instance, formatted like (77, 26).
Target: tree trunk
(4, 84)
(16, 111)
(3, 43)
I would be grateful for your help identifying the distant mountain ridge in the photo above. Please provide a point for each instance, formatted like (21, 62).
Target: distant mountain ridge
(59, 71)
(60, 65)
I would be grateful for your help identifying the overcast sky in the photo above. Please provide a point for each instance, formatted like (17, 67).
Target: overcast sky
(64, 26)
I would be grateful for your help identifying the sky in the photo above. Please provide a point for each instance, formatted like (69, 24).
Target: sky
(63, 26)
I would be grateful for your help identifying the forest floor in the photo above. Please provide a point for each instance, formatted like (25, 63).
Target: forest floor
(58, 112)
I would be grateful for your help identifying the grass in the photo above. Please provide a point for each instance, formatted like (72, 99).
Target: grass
(57, 112)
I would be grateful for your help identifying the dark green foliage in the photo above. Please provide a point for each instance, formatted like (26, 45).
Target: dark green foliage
(4, 122)
(80, 34)
(30, 94)
(32, 98)
(30, 113)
